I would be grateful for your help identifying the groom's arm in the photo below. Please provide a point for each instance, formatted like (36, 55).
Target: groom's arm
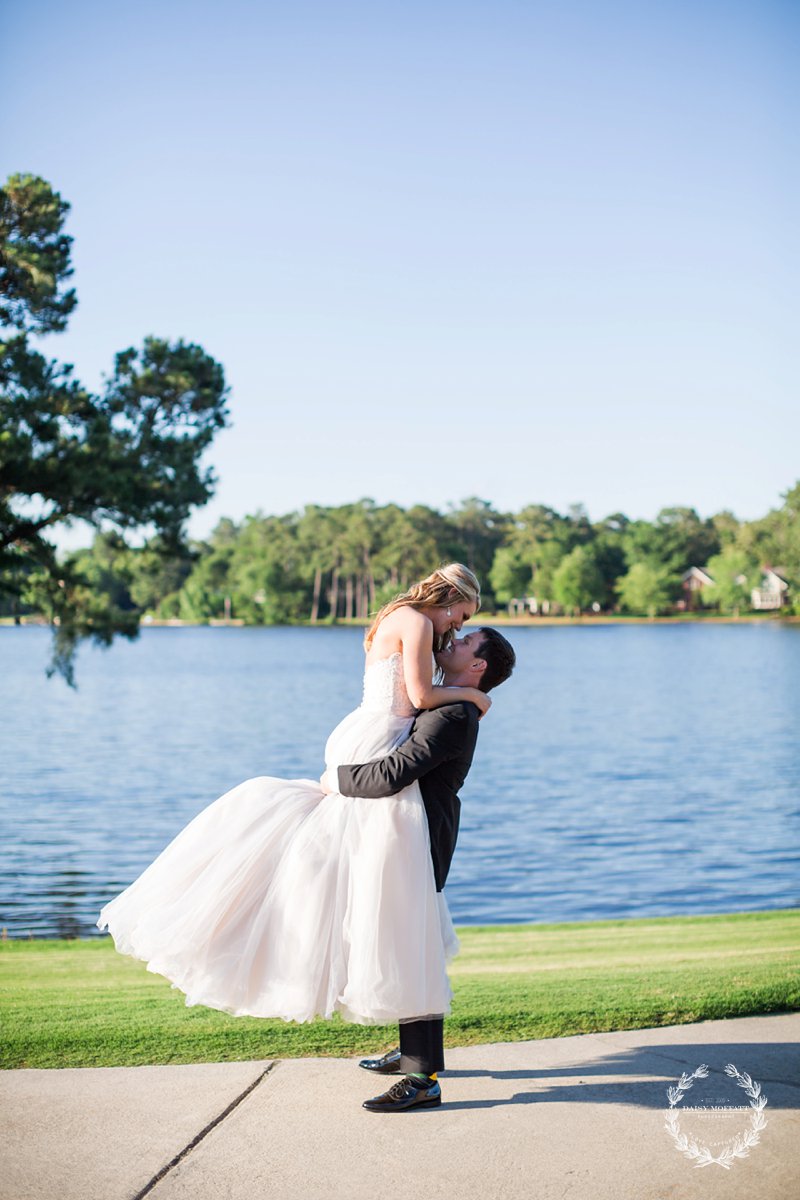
(438, 736)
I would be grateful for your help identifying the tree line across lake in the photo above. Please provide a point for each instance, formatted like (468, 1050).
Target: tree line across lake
(324, 564)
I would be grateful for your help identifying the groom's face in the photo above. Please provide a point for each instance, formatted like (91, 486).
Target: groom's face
(461, 654)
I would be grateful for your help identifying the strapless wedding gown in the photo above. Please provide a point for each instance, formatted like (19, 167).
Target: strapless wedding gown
(279, 901)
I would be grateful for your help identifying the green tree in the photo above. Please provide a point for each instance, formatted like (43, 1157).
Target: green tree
(123, 460)
(677, 540)
(266, 575)
(477, 531)
(34, 257)
(202, 595)
(155, 571)
(407, 548)
(727, 528)
(775, 541)
(580, 529)
(315, 536)
(578, 582)
(540, 537)
(609, 554)
(645, 589)
(734, 574)
(106, 569)
(357, 545)
(510, 576)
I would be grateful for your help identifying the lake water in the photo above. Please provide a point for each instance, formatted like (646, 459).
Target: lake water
(622, 771)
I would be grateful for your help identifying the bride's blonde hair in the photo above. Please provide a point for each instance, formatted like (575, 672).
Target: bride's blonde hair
(446, 585)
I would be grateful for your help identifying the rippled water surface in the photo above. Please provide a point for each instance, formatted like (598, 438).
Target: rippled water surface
(623, 771)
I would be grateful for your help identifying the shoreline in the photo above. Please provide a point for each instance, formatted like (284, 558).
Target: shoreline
(516, 622)
(498, 927)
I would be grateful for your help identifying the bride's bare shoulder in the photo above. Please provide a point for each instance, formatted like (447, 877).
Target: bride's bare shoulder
(405, 631)
(407, 618)
(403, 625)
(414, 630)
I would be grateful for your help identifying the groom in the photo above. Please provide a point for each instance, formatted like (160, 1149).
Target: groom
(438, 753)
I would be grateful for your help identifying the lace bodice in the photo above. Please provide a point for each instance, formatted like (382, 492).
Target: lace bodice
(385, 687)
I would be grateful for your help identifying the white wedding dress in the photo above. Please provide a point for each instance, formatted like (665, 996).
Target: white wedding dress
(279, 901)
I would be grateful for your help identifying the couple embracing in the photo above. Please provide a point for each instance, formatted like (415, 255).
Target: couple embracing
(301, 898)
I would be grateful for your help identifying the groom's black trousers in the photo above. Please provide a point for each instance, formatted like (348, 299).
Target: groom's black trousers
(422, 1046)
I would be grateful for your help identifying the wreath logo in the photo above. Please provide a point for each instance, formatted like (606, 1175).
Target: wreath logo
(736, 1147)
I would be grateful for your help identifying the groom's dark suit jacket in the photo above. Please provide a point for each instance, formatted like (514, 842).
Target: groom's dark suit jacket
(438, 752)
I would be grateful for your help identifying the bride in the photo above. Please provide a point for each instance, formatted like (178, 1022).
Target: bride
(279, 901)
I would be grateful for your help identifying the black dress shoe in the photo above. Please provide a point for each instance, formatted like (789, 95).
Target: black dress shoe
(406, 1093)
(387, 1064)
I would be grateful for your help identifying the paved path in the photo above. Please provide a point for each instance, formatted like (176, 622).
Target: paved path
(579, 1117)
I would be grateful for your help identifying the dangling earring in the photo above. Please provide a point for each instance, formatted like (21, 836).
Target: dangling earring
(449, 612)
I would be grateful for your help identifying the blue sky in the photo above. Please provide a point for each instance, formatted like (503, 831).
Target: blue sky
(535, 252)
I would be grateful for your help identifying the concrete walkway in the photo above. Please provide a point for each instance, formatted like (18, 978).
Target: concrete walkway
(578, 1117)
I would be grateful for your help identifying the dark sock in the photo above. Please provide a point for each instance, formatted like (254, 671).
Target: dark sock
(421, 1079)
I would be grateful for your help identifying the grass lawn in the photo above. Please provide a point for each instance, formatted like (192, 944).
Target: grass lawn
(80, 1004)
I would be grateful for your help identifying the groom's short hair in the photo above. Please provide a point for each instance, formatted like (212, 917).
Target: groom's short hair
(500, 659)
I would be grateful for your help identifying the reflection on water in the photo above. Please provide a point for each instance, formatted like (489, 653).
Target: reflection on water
(623, 771)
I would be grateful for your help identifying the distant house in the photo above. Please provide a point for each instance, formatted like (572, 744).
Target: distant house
(772, 593)
(693, 582)
(528, 604)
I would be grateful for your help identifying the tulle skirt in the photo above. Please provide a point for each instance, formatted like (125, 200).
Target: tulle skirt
(280, 901)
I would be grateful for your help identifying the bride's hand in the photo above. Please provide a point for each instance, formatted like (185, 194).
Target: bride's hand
(480, 700)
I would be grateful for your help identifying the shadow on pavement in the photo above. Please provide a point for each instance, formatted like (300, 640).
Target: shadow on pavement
(775, 1065)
